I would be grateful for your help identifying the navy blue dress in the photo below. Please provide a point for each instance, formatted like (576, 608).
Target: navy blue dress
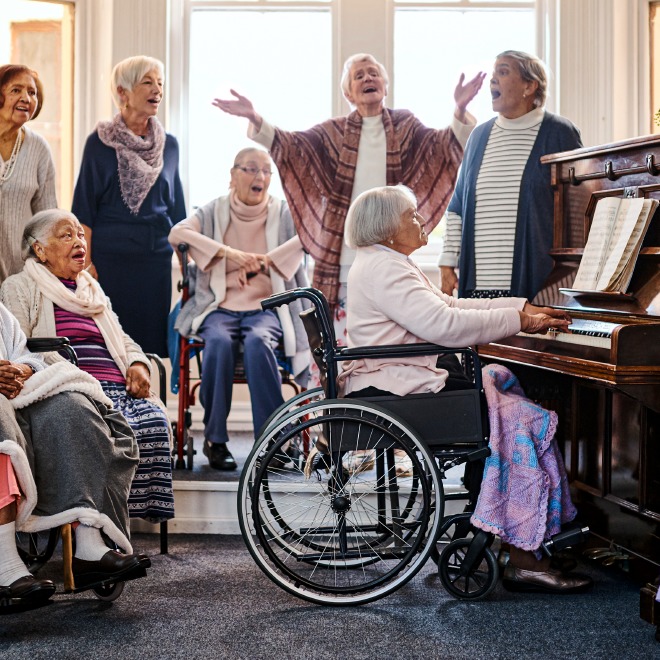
(130, 252)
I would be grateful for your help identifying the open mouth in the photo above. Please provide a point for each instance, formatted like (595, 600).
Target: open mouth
(369, 90)
(79, 256)
(256, 189)
(495, 94)
(22, 108)
(154, 101)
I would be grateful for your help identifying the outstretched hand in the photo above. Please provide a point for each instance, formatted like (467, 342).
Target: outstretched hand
(241, 106)
(464, 93)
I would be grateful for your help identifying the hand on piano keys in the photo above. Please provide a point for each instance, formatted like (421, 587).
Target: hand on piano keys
(535, 320)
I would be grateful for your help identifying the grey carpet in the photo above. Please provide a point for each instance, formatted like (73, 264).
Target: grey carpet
(207, 599)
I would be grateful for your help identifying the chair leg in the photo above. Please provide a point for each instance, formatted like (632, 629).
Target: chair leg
(163, 537)
(67, 556)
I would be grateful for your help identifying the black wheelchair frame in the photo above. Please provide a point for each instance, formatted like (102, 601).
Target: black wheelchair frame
(363, 510)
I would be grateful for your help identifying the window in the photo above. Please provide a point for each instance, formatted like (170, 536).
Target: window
(654, 19)
(40, 35)
(434, 42)
(256, 54)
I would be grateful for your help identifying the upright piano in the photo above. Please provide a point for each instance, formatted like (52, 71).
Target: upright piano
(603, 379)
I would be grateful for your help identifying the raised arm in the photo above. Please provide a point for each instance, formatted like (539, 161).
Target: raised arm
(464, 93)
(241, 106)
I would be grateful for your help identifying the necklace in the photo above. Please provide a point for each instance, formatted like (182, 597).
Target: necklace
(8, 167)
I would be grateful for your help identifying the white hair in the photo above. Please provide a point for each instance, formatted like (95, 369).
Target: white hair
(531, 69)
(346, 73)
(375, 215)
(40, 228)
(130, 71)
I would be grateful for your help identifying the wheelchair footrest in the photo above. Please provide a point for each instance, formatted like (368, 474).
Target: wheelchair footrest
(564, 540)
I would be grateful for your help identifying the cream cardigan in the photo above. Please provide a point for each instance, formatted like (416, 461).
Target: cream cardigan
(390, 301)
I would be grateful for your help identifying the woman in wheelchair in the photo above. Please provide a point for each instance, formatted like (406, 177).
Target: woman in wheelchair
(390, 301)
(54, 296)
(245, 249)
(65, 457)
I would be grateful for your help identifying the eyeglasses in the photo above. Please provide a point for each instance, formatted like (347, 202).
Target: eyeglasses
(253, 171)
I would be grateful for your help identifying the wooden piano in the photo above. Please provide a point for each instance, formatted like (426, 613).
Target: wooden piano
(604, 378)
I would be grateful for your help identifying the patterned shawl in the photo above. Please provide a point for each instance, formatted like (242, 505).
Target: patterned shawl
(317, 168)
(140, 159)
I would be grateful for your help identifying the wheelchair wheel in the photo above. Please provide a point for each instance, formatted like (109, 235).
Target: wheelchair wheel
(466, 583)
(353, 524)
(109, 592)
(297, 401)
(36, 548)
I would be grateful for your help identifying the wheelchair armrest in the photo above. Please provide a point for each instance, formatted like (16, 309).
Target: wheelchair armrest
(48, 344)
(409, 350)
(162, 382)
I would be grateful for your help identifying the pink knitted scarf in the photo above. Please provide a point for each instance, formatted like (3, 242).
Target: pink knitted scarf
(140, 159)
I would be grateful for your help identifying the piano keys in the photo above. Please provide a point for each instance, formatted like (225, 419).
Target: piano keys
(603, 377)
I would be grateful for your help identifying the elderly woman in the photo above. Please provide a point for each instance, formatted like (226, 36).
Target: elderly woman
(128, 196)
(326, 167)
(245, 248)
(27, 172)
(500, 219)
(55, 296)
(65, 457)
(390, 301)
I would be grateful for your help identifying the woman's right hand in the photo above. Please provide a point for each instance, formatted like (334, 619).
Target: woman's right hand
(448, 280)
(241, 107)
(540, 323)
(249, 261)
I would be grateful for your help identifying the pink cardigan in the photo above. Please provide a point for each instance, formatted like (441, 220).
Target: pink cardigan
(390, 301)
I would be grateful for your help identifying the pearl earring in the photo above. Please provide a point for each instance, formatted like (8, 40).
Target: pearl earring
(391, 241)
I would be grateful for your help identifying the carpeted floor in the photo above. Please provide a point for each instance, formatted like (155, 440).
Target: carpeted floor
(207, 599)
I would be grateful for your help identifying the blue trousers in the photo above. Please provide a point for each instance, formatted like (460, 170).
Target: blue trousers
(223, 331)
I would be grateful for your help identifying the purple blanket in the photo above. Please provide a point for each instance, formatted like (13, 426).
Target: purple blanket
(524, 496)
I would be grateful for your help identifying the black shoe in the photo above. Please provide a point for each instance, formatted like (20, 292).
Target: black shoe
(219, 456)
(112, 566)
(25, 593)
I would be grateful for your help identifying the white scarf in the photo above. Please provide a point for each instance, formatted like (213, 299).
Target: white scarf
(88, 300)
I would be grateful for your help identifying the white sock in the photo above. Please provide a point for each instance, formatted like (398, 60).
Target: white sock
(89, 543)
(11, 566)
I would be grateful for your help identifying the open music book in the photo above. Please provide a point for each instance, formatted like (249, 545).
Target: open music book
(615, 239)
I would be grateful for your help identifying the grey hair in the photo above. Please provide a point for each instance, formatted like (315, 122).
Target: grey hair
(130, 71)
(249, 150)
(375, 215)
(532, 69)
(40, 228)
(346, 73)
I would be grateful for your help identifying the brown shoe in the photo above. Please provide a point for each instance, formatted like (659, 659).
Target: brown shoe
(25, 593)
(551, 581)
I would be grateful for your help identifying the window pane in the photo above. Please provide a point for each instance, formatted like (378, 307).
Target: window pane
(432, 47)
(287, 80)
(40, 35)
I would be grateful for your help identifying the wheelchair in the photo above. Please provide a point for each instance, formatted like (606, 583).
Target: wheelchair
(366, 510)
(189, 351)
(36, 548)
(341, 531)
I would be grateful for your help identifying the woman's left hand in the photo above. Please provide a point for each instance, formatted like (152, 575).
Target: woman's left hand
(138, 380)
(464, 93)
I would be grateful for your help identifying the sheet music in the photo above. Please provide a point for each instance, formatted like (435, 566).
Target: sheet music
(597, 242)
(625, 237)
